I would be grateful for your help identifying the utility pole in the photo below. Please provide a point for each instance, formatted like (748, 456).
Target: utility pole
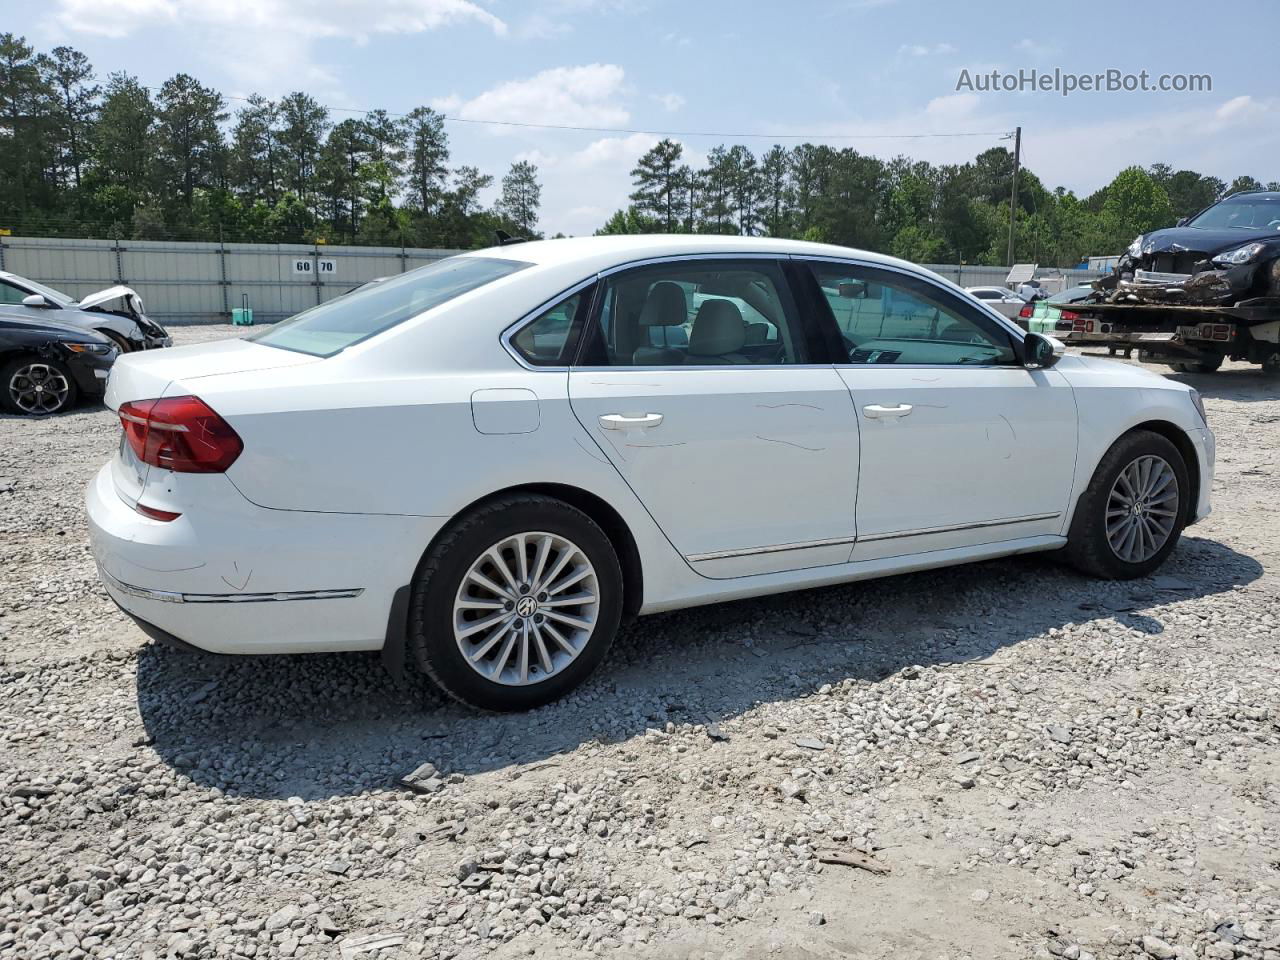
(1013, 192)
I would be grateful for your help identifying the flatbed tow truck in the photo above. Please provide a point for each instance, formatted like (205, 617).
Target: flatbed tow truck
(1190, 338)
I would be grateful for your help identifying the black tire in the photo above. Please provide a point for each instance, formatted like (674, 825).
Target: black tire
(121, 343)
(1200, 366)
(13, 401)
(431, 638)
(1088, 548)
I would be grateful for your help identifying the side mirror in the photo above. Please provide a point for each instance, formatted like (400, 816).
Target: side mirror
(1182, 221)
(853, 289)
(36, 300)
(1041, 352)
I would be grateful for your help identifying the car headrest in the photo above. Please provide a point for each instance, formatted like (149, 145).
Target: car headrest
(717, 329)
(665, 306)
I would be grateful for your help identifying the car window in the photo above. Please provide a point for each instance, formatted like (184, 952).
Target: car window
(988, 295)
(892, 318)
(544, 341)
(11, 294)
(696, 313)
(331, 327)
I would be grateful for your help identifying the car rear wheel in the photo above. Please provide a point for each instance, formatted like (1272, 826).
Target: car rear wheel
(1131, 515)
(516, 604)
(34, 386)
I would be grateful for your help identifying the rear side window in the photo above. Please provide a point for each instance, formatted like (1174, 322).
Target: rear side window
(331, 327)
(546, 341)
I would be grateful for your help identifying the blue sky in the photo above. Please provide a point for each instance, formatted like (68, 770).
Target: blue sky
(848, 72)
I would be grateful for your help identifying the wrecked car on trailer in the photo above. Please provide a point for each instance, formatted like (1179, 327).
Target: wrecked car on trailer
(1195, 294)
(1227, 253)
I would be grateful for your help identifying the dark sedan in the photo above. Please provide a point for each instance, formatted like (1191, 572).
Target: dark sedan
(46, 366)
(1227, 254)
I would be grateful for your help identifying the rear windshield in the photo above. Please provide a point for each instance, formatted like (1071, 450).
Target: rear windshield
(331, 327)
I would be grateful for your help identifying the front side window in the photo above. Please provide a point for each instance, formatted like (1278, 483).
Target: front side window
(331, 327)
(894, 318)
(11, 294)
(696, 313)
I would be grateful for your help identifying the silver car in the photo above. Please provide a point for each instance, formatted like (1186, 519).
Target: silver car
(116, 312)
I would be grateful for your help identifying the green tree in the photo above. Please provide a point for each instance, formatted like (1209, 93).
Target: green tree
(303, 125)
(68, 73)
(190, 150)
(659, 192)
(521, 198)
(775, 191)
(255, 151)
(428, 158)
(1135, 204)
(630, 220)
(27, 156)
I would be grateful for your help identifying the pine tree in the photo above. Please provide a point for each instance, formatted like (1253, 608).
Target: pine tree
(255, 151)
(303, 124)
(76, 101)
(657, 182)
(189, 138)
(521, 197)
(428, 157)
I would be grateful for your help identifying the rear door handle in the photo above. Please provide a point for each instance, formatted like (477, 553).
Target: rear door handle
(618, 421)
(877, 412)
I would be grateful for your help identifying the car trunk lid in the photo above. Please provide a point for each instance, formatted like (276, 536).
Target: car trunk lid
(177, 371)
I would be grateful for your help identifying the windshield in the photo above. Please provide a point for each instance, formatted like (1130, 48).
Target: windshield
(1071, 295)
(61, 299)
(1247, 213)
(331, 327)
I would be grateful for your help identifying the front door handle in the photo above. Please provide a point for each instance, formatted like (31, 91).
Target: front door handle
(618, 421)
(877, 412)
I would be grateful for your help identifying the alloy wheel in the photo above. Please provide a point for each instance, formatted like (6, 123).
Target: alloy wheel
(1142, 509)
(38, 388)
(526, 608)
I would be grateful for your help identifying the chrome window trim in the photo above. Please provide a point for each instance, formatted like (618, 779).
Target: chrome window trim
(171, 596)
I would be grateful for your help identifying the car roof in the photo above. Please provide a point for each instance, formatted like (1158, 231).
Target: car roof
(643, 246)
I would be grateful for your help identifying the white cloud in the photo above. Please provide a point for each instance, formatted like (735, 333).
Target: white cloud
(1035, 48)
(953, 106)
(920, 50)
(671, 102)
(314, 19)
(571, 96)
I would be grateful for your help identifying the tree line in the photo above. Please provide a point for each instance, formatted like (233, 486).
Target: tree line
(80, 158)
(83, 158)
(927, 213)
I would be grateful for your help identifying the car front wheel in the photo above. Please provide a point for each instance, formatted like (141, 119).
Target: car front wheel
(33, 386)
(516, 603)
(1131, 515)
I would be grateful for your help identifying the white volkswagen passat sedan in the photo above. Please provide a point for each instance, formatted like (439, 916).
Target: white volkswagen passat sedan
(484, 464)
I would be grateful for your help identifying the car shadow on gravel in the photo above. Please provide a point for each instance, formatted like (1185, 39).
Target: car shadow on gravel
(322, 726)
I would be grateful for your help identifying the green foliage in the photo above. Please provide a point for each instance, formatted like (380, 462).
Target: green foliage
(79, 158)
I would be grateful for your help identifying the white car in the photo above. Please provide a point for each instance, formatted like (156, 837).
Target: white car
(1001, 299)
(483, 465)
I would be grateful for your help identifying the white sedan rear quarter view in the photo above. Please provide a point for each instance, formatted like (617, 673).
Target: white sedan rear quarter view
(483, 465)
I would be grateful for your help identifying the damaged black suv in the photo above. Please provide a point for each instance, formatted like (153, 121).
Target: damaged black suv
(1228, 253)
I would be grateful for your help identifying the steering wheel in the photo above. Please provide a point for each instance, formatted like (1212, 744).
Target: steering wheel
(1274, 225)
(850, 344)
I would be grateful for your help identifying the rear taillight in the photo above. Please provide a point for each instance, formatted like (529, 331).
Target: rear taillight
(1026, 312)
(1070, 315)
(181, 434)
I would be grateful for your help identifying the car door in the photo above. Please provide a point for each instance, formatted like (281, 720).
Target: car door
(696, 380)
(960, 443)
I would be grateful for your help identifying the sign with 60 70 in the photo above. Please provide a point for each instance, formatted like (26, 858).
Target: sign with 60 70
(308, 267)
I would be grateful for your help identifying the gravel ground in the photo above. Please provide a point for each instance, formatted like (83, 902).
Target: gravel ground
(1013, 762)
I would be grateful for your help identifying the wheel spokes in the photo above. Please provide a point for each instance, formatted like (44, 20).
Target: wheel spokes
(526, 608)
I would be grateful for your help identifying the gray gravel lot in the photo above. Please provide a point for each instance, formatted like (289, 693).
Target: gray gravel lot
(1044, 765)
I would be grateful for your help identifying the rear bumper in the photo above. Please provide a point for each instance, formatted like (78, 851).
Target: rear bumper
(231, 577)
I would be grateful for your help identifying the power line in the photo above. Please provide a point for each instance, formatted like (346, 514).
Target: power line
(671, 133)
